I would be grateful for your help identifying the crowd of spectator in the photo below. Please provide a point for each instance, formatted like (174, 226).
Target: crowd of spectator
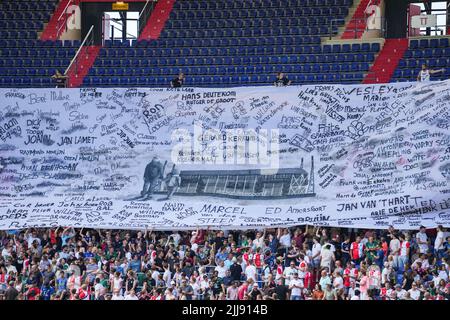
(311, 263)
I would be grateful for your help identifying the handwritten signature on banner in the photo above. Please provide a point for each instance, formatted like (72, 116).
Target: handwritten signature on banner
(338, 155)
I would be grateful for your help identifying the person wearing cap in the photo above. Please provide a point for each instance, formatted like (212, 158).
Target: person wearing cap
(235, 270)
(400, 292)
(186, 289)
(254, 292)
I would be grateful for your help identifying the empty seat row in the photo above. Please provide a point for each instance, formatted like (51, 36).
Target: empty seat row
(21, 24)
(27, 82)
(220, 80)
(180, 53)
(417, 63)
(227, 42)
(42, 52)
(34, 43)
(237, 60)
(230, 42)
(43, 72)
(258, 13)
(30, 6)
(229, 70)
(220, 5)
(17, 62)
(427, 53)
(210, 51)
(18, 34)
(412, 73)
(26, 15)
(247, 23)
(429, 43)
(234, 33)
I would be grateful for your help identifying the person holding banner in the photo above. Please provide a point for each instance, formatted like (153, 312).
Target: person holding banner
(424, 74)
(60, 79)
(178, 81)
(282, 80)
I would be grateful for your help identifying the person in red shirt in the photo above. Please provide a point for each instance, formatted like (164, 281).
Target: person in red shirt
(258, 258)
(384, 247)
(305, 275)
(83, 292)
(242, 290)
(33, 292)
(346, 276)
(357, 250)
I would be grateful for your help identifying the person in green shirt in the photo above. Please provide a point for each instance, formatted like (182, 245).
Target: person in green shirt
(371, 250)
(111, 254)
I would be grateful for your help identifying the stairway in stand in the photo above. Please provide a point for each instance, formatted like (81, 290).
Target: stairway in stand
(157, 20)
(51, 29)
(357, 24)
(85, 62)
(387, 61)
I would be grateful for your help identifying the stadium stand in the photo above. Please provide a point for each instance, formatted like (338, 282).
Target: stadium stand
(435, 52)
(26, 61)
(238, 43)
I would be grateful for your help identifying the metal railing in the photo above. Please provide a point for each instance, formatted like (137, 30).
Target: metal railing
(61, 24)
(145, 14)
(129, 36)
(82, 51)
(359, 26)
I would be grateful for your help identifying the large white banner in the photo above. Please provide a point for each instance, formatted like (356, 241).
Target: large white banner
(334, 155)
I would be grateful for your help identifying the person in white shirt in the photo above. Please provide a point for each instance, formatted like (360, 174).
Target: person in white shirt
(31, 238)
(424, 262)
(232, 291)
(385, 274)
(155, 274)
(131, 296)
(425, 73)
(338, 282)
(250, 271)
(296, 287)
(422, 240)
(221, 269)
(439, 241)
(352, 290)
(326, 257)
(289, 272)
(315, 252)
(99, 289)
(176, 238)
(356, 295)
(414, 292)
(117, 295)
(400, 291)
(394, 247)
(285, 239)
(259, 240)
